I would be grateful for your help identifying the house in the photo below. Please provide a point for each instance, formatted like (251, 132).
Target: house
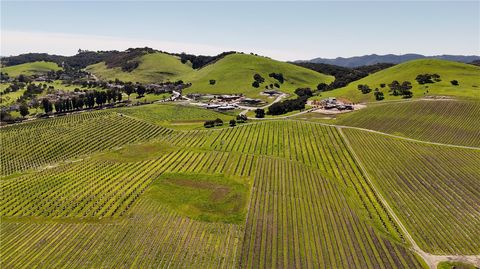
(331, 100)
(271, 92)
(40, 79)
(349, 107)
(251, 101)
(225, 108)
(228, 97)
(211, 106)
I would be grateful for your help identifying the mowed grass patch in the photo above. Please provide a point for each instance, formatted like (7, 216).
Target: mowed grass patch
(137, 152)
(455, 265)
(174, 115)
(211, 198)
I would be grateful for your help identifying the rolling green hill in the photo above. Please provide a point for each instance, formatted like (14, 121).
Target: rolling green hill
(30, 68)
(234, 74)
(467, 76)
(155, 67)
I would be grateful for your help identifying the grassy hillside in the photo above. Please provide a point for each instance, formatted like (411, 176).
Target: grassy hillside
(30, 68)
(155, 67)
(467, 76)
(234, 74)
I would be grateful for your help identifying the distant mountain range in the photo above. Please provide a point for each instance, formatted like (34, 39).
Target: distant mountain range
(389, 58)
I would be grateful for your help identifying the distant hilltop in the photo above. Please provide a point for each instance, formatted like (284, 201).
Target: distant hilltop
(389, 58)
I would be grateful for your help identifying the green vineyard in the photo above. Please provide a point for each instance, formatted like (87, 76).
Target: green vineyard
(434, 189)
(446, 121)
(299, 219)
(43, 142)
(104, 190)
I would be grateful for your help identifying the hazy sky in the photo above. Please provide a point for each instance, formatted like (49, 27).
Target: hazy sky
(281, 30)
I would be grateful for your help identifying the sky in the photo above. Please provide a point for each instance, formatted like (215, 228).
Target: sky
(281, 30)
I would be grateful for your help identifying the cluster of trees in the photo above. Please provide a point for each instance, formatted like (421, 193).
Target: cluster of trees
(33, 90)
(427, 78)
(277, 76)
(81, 60)
(127, 60)
(6, 117)
(87, 99)
(4, 76)
(259, 113)
(212, 123)
(276, 85)
(364, 88)
(403, 89)
(343, 75)
(13, 87)
(293, 104)
(287, 106)
(241, 118)
(199, 61)
(218, 122)
(257, 80)
(378, 95)
(304, 92)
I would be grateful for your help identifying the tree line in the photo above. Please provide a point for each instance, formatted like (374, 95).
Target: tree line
(286, 106)
(343, 75)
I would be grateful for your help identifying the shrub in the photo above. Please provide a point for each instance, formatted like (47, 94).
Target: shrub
(259, 113)
(218, 122)
(364, 88)
(209, 124)
(378, 95)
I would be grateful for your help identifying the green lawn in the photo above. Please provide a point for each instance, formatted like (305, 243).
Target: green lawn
(467, 75)
(30, 68)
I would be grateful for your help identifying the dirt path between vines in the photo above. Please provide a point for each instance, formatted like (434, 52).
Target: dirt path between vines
(430, 259)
